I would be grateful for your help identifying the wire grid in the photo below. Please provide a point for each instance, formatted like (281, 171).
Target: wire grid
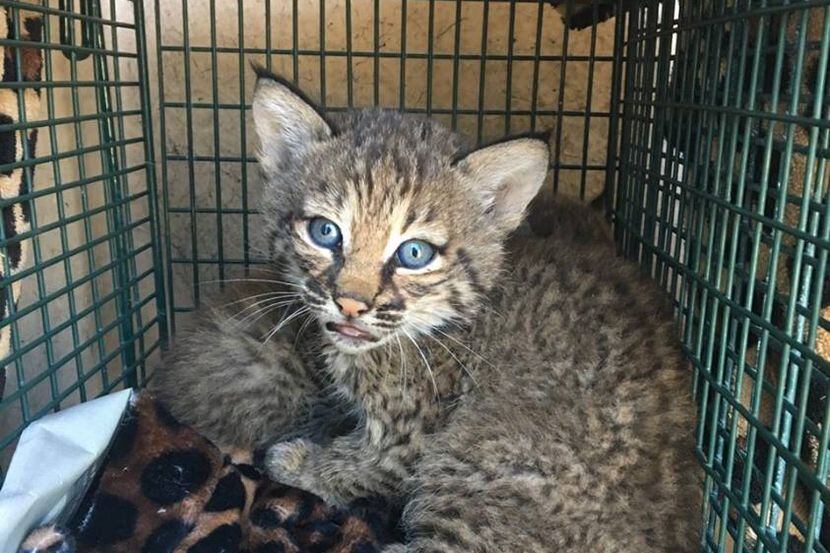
(91, 311)
(722, 196)
(484, 68)
(722, 185)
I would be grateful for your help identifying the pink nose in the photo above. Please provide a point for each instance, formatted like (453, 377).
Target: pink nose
(351, 307)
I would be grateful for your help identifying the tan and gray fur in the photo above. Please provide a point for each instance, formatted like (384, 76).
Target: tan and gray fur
(522, 394)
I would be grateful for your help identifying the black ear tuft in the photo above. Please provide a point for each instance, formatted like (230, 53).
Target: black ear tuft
(544, 136)
(263, 73)
(266, 74)
(288, 124)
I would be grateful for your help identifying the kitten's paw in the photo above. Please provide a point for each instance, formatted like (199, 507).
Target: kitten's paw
(289, 463)
(287, 458)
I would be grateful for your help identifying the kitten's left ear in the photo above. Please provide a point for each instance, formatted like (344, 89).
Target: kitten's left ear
(507, 175)
(286, 121)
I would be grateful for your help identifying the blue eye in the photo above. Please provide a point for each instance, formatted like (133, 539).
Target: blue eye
(414, 254)
(324, 233)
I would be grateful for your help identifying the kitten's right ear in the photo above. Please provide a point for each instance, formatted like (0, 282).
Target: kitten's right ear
(287, 123)
(507, 175)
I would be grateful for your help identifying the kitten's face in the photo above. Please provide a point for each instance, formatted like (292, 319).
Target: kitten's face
(390, 232)
(384, 253)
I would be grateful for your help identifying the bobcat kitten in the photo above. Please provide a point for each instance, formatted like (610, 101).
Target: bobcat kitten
(521, 396)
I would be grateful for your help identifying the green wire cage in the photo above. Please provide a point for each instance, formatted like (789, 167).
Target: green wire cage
(128, 186)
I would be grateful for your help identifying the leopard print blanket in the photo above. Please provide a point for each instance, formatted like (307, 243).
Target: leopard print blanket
(165, 488)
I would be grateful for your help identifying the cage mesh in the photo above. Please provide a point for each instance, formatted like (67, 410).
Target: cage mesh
(484, 68)
(703, 127)
(87, 317)
(722, 197)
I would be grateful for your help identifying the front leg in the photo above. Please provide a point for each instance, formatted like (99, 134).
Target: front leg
(350, 467)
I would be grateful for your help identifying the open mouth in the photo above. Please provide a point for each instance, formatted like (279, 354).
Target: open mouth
(351, 331)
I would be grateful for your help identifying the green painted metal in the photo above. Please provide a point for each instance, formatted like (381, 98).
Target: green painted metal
(722, 196)
(92, 312)
(717, 154)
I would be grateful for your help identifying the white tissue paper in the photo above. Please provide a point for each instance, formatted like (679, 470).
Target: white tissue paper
(55, 461)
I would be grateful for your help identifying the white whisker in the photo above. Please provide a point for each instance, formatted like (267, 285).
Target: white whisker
(253, 315)
(261, 312)
(284, 322)
(269, 294)
(262, 301)
(403, 362)
(453, 338)
(386, 345)
(308, 319)
(465, 346)
(266, 280)
(457, 360)
(424, 357)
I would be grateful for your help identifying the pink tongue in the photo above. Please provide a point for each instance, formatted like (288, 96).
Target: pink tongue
(351, 331)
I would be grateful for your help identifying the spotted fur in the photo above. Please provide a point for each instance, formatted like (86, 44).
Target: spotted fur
(524, 395)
